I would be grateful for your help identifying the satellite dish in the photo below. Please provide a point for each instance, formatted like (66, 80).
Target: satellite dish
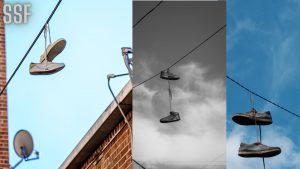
(23, 144)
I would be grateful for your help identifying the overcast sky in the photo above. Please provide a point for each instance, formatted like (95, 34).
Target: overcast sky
(172, 30)
(263, 54)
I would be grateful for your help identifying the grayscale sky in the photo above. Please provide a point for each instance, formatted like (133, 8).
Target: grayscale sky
(168, 33)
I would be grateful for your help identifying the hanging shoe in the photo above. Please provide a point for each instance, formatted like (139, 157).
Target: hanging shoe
(253, 117)
(174, 116)
(258, 150)
(53, 50)
(45, 68)
(167, 75)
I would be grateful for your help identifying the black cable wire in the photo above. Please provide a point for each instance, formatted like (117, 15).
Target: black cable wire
(138, 164)
(196, 47)
(187, 54)
(115, 99)
(140, 20)
(31, 46)
(267, 100)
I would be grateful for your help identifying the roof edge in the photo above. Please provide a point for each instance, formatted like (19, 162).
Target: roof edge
(84, 142)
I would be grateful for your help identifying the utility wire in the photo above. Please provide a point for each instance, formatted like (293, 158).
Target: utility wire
(29, 49)
(139, 164)
(267, 100)
(215, 159)
(187, 54)
(118, 104)
(142, 18)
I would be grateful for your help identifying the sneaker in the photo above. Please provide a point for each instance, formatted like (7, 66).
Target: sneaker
(45, 68)
(53, 50)
(167, 75)
(249, 118)
(258, 150)
(174, 116)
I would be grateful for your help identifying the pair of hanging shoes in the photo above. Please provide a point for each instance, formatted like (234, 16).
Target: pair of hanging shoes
(174, 116)
(46, 66)
(256, 149)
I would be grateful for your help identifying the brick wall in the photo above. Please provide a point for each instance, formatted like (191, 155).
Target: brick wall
(115, 151)
(3, 99)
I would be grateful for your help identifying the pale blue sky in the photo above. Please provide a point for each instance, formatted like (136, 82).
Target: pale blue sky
(59, 109)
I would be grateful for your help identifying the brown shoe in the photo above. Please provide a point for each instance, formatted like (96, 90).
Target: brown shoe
(253, 117)
(53, 50)
(45, 68)
(258, 150)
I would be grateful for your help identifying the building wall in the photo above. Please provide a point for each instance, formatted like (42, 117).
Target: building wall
(115, 151)
(4, 162)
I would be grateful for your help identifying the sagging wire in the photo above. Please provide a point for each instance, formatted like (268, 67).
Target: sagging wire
(109, 76)
(30, 47)
(121, 111)
(116, 101)
(184, 56)
(263, 98)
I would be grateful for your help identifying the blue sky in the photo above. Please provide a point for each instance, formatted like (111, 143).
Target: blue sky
(263, 54)
(59, 109)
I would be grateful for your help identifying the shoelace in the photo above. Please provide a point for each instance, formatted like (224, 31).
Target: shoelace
(257, 127)
(170, 95)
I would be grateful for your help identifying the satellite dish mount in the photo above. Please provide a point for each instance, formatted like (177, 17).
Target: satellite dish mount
(23, 145)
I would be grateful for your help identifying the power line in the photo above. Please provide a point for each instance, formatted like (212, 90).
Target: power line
(267, 100)
(187, 54)
(138, 164)
(140, 20)
(31, 46)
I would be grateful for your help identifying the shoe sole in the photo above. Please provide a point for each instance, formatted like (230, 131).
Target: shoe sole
(246, 120)
(265, 153)
(168, 78)
(170, 121)
(53, 50)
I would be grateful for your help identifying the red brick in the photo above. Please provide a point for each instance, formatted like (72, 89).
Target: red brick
(115, 151)
(4, 162)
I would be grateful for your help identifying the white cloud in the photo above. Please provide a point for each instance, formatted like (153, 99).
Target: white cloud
(200, 134)
(241, 26)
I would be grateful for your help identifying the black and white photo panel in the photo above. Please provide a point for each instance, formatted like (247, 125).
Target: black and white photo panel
(179, 90)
